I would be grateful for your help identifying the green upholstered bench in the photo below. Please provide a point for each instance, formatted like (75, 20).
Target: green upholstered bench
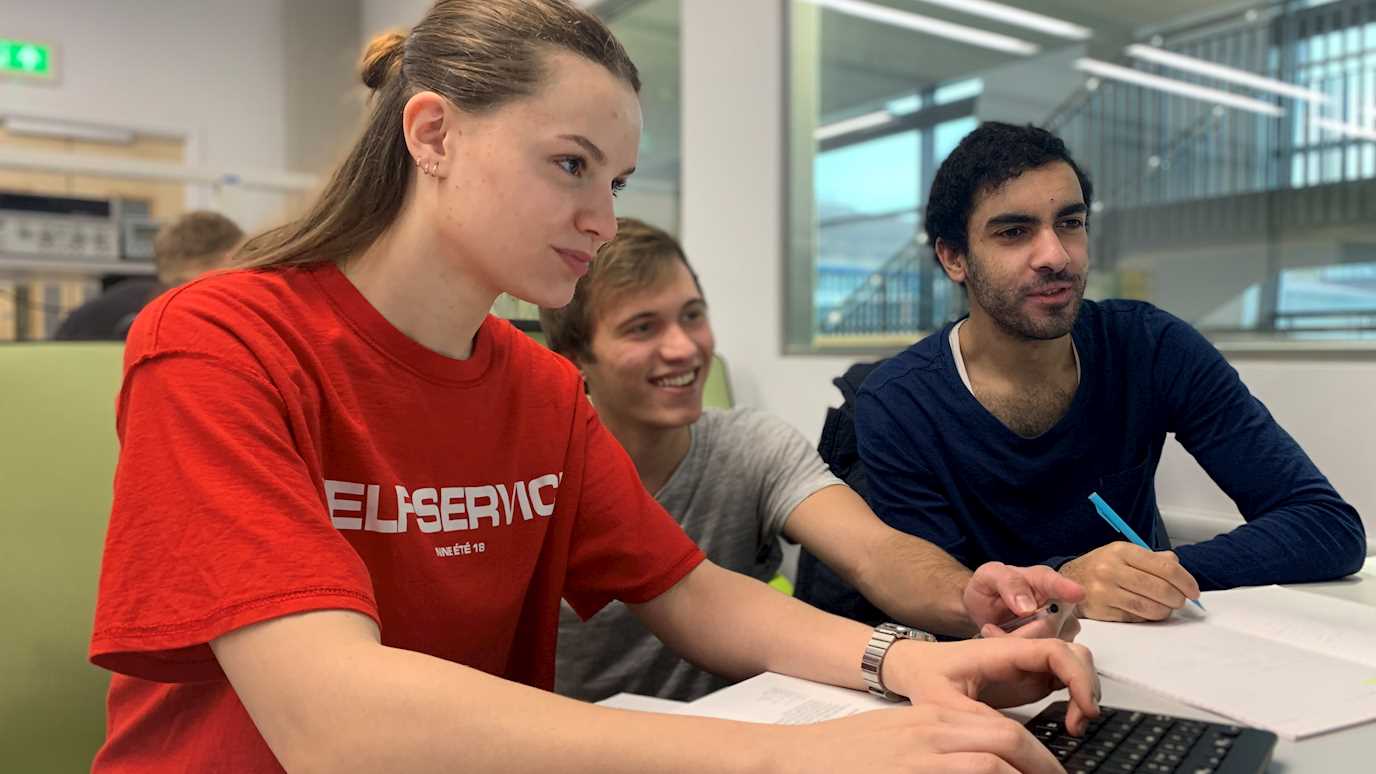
(57, 459)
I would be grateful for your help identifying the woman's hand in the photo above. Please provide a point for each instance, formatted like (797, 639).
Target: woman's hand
(1002, 672)
(928, 738)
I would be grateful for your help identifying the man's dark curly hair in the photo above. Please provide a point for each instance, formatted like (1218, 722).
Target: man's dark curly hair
(985, 159)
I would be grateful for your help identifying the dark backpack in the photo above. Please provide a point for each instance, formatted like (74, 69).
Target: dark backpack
(817, 584)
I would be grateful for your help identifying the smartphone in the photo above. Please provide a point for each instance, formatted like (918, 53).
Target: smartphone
(1053, 609)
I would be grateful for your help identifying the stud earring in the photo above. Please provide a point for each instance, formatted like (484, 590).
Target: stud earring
(429, 168)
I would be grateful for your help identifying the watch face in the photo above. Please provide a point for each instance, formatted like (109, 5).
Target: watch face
(907, 632)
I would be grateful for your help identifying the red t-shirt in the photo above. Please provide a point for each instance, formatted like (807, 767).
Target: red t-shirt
(284, 448)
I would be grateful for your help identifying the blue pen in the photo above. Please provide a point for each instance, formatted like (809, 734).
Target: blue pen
(1116, 521)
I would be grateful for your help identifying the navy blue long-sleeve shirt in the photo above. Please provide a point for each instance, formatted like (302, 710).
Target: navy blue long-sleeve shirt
(941, 467)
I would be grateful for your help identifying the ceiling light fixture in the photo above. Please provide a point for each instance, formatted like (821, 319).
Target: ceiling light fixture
(1016, 17)
(1351, 130)
(66, 130)
(1173, 86)
(926, 24)
(1223, 73)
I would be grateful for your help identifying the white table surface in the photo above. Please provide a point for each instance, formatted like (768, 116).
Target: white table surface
(1339, 752)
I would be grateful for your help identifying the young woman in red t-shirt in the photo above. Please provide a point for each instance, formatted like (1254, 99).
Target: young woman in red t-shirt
(348, 501)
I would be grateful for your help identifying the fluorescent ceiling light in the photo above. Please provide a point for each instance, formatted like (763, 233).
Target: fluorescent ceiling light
(1351, 130)
(1222, 73)
(848, 125)
(926, 24)
(1171, 85)
(1016, 17)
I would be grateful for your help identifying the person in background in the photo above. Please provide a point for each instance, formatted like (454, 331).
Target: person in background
(638, 331)
(988, 437)
(193, 244)
(348, 500)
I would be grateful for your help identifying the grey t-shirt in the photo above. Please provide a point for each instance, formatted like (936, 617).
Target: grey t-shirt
(744, 473)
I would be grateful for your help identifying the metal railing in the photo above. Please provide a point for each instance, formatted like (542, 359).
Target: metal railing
(908, 294)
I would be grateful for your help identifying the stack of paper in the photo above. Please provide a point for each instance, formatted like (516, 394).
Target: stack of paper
(634, 701)
(1288, 661)
(775, 698)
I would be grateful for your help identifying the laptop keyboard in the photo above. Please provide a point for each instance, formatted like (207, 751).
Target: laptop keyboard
(1121, 741)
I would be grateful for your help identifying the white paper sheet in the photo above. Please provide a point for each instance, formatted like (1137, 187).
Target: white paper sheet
(634, 701)
(1333, 627)
(774, 698)
(1294, 663)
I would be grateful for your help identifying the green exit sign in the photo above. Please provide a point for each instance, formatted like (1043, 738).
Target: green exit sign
(25, 58)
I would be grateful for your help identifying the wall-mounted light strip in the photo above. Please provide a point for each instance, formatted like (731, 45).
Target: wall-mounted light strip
(1017, 17)
(926, 24)
(1223, 73)
(161, 171)
(848, 125)
(64, 130)
(1350, 130)
(1172, 86)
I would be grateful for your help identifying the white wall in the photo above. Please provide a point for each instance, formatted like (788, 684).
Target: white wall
(732, 227)
(326, 101)
(733, 203)
(381, 15)
(1327, 404)
(207, 70)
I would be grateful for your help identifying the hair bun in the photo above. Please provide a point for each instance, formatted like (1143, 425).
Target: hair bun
(382, 58)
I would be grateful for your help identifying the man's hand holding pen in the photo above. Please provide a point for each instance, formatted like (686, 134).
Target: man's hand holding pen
(1124, 582)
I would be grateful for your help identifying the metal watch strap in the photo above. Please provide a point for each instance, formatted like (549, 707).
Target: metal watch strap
(872, 663)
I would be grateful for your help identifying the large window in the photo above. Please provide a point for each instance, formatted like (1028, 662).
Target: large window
(1244, 206)
(868, 205)
(649, 29)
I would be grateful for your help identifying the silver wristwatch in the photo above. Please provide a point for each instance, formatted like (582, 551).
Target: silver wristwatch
(872, 663)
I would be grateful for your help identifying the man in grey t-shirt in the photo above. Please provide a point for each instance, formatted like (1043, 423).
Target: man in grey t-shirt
(736, 480)
(744, 473)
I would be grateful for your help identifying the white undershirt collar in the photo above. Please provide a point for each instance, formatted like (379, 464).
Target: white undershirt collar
(960, 360)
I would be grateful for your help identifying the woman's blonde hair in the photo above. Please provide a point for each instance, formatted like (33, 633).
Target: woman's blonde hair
(479, 55)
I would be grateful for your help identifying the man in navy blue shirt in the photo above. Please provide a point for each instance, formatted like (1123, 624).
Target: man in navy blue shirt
(988, 437)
